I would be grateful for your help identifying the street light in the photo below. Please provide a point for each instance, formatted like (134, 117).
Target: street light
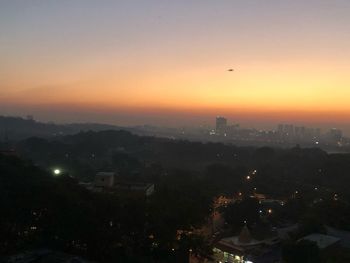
(57, 172)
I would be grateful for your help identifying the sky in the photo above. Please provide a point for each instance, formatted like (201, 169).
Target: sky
(166, 62)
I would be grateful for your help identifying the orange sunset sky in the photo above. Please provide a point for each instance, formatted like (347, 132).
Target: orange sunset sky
(165, 62)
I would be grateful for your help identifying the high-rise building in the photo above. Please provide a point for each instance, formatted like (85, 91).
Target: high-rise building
(280, 129)
(335, 135)
(221, 125)
(289, 130)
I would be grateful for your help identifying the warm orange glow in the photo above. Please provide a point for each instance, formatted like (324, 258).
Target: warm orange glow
(176, 63)
(290, 88)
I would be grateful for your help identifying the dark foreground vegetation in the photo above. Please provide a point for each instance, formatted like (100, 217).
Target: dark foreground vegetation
(40, 210)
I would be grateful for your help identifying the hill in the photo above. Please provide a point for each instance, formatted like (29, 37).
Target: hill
(17, 128)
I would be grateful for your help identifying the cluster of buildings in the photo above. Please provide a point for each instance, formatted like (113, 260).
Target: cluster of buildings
(284, 133)
(246, 248)
(243, 248)
(109, 182)
(289, 131)
(255, 245)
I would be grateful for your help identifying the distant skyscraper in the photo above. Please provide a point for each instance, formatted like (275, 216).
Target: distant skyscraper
(335, 135)
(221, 125)
(280, 129)
(289, 129)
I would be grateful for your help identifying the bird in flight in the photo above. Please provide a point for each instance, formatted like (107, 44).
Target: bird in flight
(231, 69)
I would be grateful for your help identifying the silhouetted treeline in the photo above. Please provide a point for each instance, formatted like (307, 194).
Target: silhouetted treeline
(85, 153)
(57, 212)
(39, 210)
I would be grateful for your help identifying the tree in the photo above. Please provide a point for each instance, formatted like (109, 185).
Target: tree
(303, 251)
(242, 212)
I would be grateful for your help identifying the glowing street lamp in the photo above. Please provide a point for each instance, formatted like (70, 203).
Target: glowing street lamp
(57, 172)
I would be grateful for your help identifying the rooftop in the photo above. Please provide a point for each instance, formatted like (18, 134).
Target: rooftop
(322, 241)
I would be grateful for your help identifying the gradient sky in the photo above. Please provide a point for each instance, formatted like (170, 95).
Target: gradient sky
(165, 62)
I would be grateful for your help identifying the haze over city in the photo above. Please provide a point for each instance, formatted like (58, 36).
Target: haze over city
(174, 131)
(167, 62)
